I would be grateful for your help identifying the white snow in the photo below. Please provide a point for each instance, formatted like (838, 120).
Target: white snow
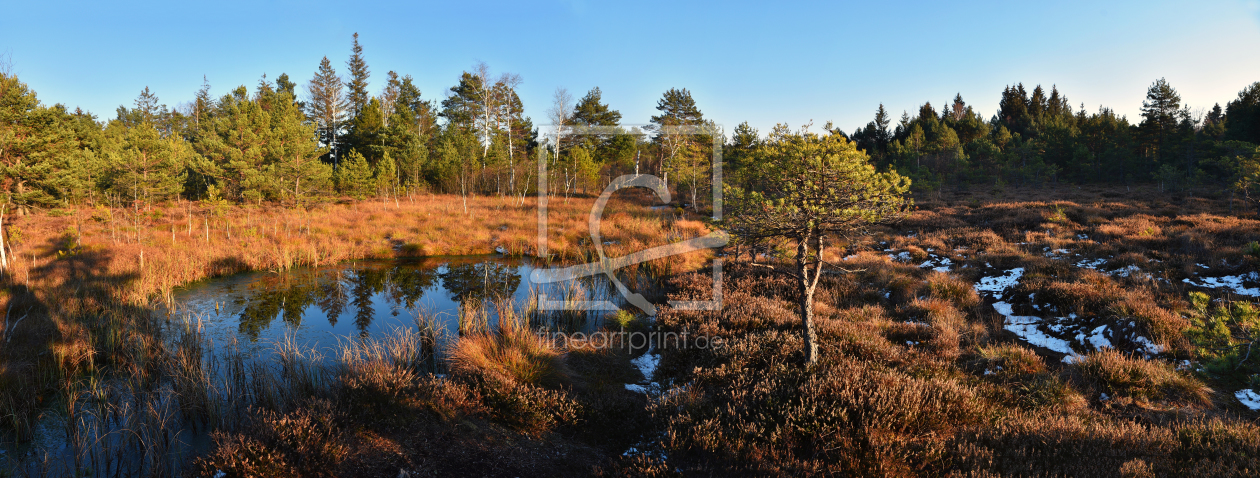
(1126, 272)
(1082, 237)
(942, 263)
(903, 256)
(1000, 283)
(1026, 328)
(1151, 348)
(1249, 398)
(1094, 264)
(647, 364)
(1201, 265)
(1231, 282)
(1096, 339)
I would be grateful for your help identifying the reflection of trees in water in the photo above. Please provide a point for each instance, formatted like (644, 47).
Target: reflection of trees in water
(401, 285)
(333, 297)
(286, 296)
(410, 282)
(480, 281)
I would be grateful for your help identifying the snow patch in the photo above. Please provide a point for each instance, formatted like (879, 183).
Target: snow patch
(1096, 339)
(1000, 283)
(1249, 398)
(1149, 347)
(1026, 328)
(646, 364)
(1094, 264)
(1230, 282)
(1126, 272)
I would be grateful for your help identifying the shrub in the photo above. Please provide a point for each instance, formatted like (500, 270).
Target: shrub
(1224, 336)
(306, 442)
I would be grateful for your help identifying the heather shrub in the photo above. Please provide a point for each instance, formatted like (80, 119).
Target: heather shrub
(306, 442)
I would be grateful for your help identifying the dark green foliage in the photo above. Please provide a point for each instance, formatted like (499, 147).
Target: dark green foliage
(1244, 115)
(354, 176)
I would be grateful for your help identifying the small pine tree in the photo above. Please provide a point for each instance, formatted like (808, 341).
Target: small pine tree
(386, 175)
(354, 176)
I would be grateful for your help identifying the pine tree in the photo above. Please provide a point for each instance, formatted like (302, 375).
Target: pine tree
(462, 107)
(354, 176)
(283, 85)
(357, 84)
(234, 155)
(32, 139)
(1244, 115)
(677, 108)
(591, 111)
(292, 161)
(1161, 115)
(145, 167)
(386, 175)
(327, 106)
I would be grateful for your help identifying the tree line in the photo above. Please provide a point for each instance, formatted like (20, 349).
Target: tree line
(1038, 137)
(287, 143)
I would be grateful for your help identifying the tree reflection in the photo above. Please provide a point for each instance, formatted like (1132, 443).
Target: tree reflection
(480, 281)
(366, 288)
(286, 296)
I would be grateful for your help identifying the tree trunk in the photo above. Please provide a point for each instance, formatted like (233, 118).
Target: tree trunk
(806, 286)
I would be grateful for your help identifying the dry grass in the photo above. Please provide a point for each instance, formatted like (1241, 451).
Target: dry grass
(1129, 379)
(510, 356)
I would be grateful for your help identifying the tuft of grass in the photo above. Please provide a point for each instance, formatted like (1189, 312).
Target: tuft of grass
(1127, 378)
(511, 356)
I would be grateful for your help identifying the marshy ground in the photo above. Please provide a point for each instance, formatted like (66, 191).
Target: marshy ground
(1065, 331)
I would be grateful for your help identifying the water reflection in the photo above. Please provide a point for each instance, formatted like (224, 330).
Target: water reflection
(313, 304)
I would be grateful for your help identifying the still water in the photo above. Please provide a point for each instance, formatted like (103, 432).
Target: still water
(318, 307)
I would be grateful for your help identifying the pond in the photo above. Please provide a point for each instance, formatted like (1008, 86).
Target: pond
(250, 314)
(323, 307)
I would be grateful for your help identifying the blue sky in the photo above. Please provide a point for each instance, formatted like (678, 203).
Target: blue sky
(764, 63)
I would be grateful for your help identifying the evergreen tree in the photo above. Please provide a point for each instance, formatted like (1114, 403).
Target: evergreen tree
(1162, 114)
(357, 84)
(283, 85)
(1243, 115)
(32, 139)
(591, 111)
(327, 106)
(739, 156)
(292, 159)
(354, 177)
(144, 167)
(462, 107)
(386, 175)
